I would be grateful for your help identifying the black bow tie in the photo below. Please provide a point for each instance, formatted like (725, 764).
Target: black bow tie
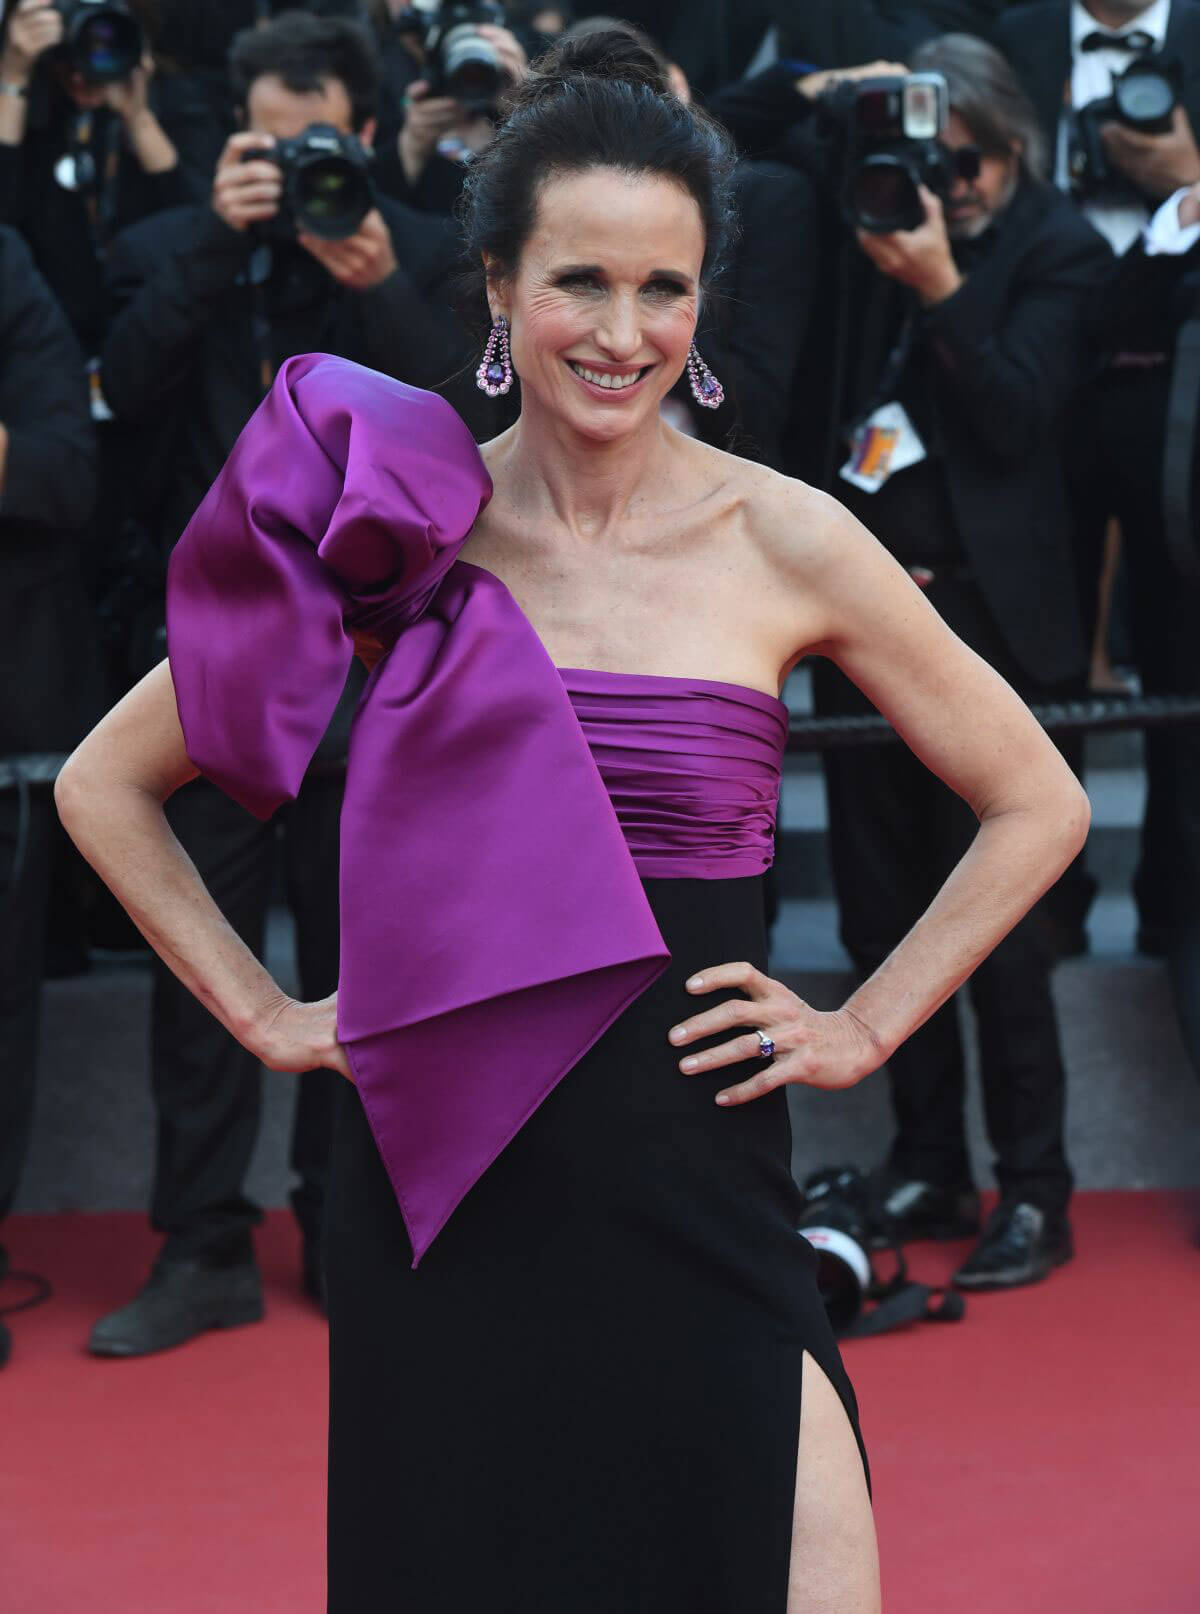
(1136, 41)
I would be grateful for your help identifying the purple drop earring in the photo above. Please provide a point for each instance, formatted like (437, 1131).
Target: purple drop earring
(495, 373)
(706, 389)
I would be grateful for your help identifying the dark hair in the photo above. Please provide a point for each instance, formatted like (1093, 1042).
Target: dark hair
(597, 101)
(305, 52)
(985, 93)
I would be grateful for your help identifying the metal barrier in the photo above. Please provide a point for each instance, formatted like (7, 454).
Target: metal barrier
(1095, 715)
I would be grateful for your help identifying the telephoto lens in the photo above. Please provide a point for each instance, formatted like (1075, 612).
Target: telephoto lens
(103, 39)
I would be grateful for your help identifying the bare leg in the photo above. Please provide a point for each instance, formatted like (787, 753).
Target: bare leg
(835, 1560)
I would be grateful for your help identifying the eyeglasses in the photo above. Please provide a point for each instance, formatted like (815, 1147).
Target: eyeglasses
(966, 162)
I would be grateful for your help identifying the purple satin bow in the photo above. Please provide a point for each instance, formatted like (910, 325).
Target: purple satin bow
(492, 922)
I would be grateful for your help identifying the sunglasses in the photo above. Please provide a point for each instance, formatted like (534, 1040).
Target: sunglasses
(966, 162)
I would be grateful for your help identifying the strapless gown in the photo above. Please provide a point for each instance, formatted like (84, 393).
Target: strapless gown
(586, 1399)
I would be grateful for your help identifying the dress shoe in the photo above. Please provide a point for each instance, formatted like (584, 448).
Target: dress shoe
(1020, 1244)
(914, 1209)
(182, 1298)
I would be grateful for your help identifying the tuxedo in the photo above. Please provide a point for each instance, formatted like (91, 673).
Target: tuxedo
(1037, 41)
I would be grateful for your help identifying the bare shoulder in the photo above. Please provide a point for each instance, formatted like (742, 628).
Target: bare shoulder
(817, 553)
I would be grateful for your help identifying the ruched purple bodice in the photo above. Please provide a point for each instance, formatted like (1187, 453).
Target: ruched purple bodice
(691, 766)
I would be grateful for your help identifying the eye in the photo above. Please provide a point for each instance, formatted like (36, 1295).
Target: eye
(666, 288)
(579, 281)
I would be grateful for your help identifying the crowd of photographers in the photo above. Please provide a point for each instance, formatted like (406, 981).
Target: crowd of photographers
(965, 300)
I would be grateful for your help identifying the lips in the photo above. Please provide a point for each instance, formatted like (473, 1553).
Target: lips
(611, 382)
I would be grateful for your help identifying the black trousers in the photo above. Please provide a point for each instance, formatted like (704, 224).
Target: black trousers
(1126, 415)
(895, 832)
(24, 893)
(207, 1087)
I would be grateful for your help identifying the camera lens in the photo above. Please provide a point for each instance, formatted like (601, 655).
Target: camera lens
(107, 47)
(1144, 97)
(884, 195)
(332, 197)
(470, 67)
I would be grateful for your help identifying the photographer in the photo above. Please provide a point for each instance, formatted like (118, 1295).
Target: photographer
(965, 338)
(82, 150)
(1068, 54)
(211, 300)
(1145, 437)
(445, 116)
(47, 484)
(1119, 169)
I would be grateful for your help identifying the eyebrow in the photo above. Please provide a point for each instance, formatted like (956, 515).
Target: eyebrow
(595, 269)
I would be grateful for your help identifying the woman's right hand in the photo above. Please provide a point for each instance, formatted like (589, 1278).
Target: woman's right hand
(295, 1036)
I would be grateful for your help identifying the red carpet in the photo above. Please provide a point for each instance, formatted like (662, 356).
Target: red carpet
(1038, 1458)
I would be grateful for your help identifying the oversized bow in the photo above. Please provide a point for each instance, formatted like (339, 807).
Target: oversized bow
(492, 922)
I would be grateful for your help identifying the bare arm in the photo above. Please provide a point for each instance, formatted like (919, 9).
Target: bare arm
(110, 797)
(965, 724)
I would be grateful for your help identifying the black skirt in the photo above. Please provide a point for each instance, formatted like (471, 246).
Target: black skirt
(586, 1399)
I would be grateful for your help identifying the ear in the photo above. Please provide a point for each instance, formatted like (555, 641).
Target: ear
(496, 286)
(366, 135)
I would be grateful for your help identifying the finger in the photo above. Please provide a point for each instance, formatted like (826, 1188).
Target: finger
(246, 171)
(766, 1081)
(719, 975)
(734, 1052)
(262, 190)
(723, 1017)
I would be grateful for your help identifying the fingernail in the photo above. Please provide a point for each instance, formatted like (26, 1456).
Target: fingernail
(687, 1064)
(676, 1033)
(721, 1098)
(695, 983)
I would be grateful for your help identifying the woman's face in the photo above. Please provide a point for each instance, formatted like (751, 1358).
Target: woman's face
(604, 300)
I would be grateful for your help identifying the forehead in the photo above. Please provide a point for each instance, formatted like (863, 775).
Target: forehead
(272, 107)
(628, 223)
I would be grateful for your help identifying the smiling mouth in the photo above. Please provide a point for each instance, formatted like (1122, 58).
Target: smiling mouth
(609, 380)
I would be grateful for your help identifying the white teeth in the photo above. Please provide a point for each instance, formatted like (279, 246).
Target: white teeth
(603, 378)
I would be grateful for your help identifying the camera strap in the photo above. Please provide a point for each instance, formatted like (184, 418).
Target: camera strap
(1179, 458)
(900, 1300)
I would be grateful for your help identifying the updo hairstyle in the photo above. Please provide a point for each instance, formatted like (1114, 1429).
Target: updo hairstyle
(598, 100)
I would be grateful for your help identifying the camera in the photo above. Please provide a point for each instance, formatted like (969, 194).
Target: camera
(1144, 97)
(327, 189)
(841, 1223)
(886, 130)
(459, 62)
(102, 39)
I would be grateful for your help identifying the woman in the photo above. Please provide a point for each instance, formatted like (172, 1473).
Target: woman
(570, 1316)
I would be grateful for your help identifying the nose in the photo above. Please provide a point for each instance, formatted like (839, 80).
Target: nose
(619, 332)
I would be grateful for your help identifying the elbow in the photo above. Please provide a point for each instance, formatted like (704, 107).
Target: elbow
(1077, 817)
(70, 791)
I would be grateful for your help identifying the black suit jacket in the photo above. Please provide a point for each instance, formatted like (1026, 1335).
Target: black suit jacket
(49, 487)
(1037, 41)
(1005, 354)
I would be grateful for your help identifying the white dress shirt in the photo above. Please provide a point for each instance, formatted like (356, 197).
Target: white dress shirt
(1092, 73)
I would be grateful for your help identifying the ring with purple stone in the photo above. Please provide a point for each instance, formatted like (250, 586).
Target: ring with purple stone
(765, 1046)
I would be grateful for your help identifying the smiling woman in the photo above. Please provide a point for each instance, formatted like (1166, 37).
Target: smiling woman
(578, 1358)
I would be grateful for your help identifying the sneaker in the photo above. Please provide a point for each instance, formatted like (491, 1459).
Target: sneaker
(181, 1299)
(914, 1209)
(1020, 1244)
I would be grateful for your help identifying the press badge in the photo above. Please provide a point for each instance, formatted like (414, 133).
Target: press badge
(885, 443)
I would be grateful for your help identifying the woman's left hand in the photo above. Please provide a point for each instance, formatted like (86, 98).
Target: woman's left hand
(831, 1050)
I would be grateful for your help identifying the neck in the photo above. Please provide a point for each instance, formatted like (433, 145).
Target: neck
(586, 485)
(1113, 13)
